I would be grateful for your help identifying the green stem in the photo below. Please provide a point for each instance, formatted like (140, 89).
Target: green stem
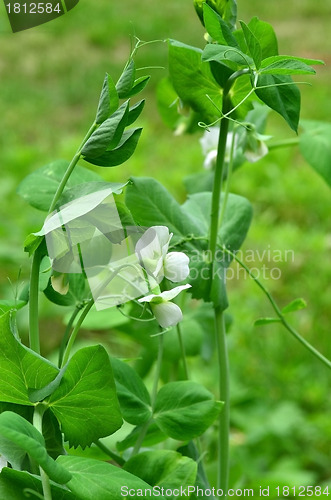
(75, 331)
(284, 143)
(119, 460)
(278, 312)
(38, 424)
(182, 350)
(70, 169)
(145, 427)
(158, 371)
(224, 418)
(224, 430)
(228, 181)
(218, 178)
(33, 302)
(67, 333)
(141, 437)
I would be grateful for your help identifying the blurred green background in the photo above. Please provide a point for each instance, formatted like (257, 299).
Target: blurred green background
(50, 79)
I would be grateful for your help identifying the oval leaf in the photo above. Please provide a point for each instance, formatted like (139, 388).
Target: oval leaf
(22, 437)
(100, 480)
(85, 403)
(184, 410)
(132, 393)
(164, 468)
(295, 305)
(122, 153)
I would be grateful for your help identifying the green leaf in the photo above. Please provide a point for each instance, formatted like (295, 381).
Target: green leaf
(11, 305)
(217, 28)
(224, 53)
(39, 188)
(193, 81)
(282, 95)
(32, 242)
(14, 485)
(266, 321)
(121, 153)
(253, 44)
(108, 102)
(227, 10)
(100, 480)
(288, 65)
(265, 34)
(17, 437)
(184, 410)
(21, 368)
(108, 135)
(164, 468)
(315, 146)
(36, 395)
(90, 187)
(126, 80)
(85, 402)
(44, 273)
(139, 85)
(295, 305)
(151, 204)
(236, 222)
(135, 112)
(197, 183)
(132, 393)
(76, 294)
(52, 435)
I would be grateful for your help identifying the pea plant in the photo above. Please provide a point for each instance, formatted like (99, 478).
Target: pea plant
(89, 425)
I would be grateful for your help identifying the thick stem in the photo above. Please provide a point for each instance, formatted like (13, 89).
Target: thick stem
(228, 181)
(33, 302)
(38, 424)
(223, 437)
(217, 185)
(224, 392)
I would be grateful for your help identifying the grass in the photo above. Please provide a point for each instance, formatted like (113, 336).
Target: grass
(50, 79)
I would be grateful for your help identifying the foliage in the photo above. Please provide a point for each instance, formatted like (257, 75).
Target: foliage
(94, 250)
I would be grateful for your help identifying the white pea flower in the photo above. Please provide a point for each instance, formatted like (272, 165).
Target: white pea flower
(167, 313)
(209, 145)
(255, 147)
(152, 251)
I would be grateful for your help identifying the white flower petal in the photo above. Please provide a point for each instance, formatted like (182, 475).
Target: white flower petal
(209, 140)
(210, 159)
(176, 266)
(171, 294)
(164, 296)
(167, 314)
(148, 298)
(259, 152)
(151, 249)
